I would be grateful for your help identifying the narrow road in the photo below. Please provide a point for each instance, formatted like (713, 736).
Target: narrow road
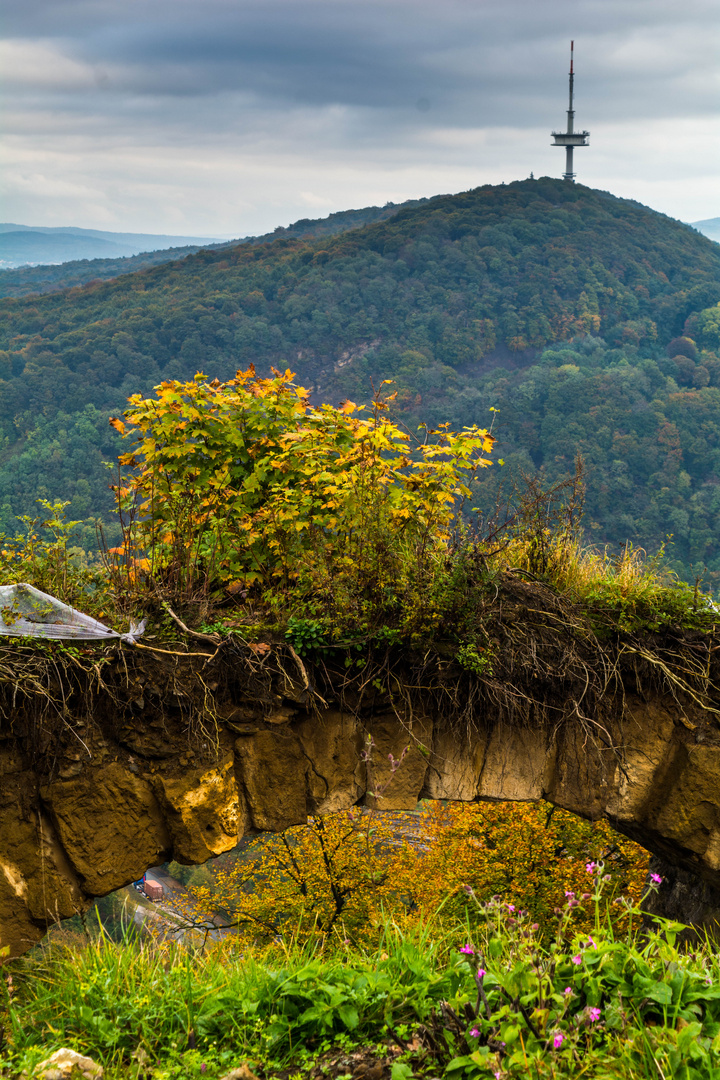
(166, 917)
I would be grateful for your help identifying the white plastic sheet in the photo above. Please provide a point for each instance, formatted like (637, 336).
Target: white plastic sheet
(27, 612)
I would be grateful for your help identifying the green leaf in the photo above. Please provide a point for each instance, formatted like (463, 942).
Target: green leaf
(349, 1016)
(400, 1071)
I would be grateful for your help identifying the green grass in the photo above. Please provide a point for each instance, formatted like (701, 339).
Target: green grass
(114, 1001)
(491, 1002)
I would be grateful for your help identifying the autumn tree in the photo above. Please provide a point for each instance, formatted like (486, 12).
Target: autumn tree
(328, 878)
(342, 874)
(530, 854)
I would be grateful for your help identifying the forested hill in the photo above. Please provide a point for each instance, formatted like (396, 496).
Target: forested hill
(52, 278)
(549, 301)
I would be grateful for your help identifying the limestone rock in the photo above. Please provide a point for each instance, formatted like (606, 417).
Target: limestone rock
(648, 752)
(686, 898)
(78, 823)
(241, 1073)
(689, 814)
(37, 882)
(518, 763)
(272, 767)
(332, 743)
(110, 824)
(64, 1064)
(201, 809)
(455, 764)
(399, 790)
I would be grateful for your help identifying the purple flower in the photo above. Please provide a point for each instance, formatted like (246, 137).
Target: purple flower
(475, 1033)
(558, 1040)
(567, 991)
(593, 1015)
(591, 867)
(577, 959)
(570, 895)
(481, 973)
(656, 879)
(511, 907)
(468, 949)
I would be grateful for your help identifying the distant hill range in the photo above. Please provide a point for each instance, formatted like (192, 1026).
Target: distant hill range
(21, 245)
(38, 260)
(709, 227)
(586, 323)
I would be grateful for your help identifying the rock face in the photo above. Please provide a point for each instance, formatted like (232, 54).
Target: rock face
(139, 772)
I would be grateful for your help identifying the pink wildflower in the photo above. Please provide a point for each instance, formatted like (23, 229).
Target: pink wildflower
(656, 879)
(577, 959)
(468, 949)
(591, 867)
(558, 1040)
(567, 991)
(593, 1015)
(475, 1033)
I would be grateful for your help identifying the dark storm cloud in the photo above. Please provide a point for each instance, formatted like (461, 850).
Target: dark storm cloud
(506, 60)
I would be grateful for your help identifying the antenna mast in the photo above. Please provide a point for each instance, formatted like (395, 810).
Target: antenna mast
(570, 138)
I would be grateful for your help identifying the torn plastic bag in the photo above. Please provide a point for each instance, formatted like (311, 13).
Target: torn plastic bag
(27, 612)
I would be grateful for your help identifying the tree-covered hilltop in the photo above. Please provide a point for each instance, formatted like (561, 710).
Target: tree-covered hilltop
(459, 299)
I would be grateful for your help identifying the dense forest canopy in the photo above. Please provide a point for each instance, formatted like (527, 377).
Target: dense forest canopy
(589, 322)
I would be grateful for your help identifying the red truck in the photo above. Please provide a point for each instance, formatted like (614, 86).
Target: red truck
(153, 889)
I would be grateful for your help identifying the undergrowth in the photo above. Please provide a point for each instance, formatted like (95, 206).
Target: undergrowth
(495, 1002)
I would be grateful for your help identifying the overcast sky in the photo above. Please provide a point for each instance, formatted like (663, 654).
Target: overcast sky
(229, 117)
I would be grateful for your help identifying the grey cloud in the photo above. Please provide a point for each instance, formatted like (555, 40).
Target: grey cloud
(507, 59)
(397, 88)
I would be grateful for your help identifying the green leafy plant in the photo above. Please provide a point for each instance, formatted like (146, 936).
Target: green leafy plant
(527, 1009)
(307, 636)
(474, 658)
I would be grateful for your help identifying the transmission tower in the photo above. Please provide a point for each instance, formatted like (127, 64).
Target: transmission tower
(570, 138)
